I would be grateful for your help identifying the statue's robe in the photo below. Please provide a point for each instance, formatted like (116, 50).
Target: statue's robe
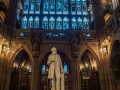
(56, 68)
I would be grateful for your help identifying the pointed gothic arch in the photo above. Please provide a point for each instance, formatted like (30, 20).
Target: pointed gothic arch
(88, 68)
(44, 73)
(21, 74)
(17, 52)
(92, 52)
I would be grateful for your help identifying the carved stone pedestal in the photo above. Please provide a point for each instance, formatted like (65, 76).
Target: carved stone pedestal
(35, 54)
(75, 54)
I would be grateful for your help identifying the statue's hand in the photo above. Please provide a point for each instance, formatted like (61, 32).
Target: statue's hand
(52, 59)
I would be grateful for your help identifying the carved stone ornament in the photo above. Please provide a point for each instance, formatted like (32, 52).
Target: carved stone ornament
(36, 46)
(74, 46)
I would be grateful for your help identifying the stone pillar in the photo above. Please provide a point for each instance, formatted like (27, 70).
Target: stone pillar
(35, 76)
(75, 75)
(10, 18)
(98, 14)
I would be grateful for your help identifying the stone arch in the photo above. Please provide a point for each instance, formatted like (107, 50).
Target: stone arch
(27, 52)
(115, 58)
(17, 52)
(48, 49)
(92, 52)
(43, 60)
(88, 69)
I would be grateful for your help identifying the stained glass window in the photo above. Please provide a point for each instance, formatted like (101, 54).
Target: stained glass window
(24, 22)
(36, 22)
(30, 22)
(56, 14)
(74, 23)
(37, 7)
(73, 7)
(65, 67)
(32, 6)
(65, 23)
(45, 6)
(44, 68)
(65, 7)
(59, 23)
(45, 23)
(80, 23)
(84, 7)
(26, 7)
(78, 6)
(51, 23)
(52, 6)
(59, 6)
(85, 24)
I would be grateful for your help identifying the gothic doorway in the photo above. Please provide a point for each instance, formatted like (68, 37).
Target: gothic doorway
(89, 72)
(21, 72)
(44, 82)
(115, 63)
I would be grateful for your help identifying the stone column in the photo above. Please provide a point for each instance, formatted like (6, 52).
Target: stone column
(33, 76)
(98, 14)
(75, 75)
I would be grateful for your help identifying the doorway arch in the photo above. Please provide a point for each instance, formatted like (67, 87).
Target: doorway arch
(21, 72)
(43, 81)
(115, 63)
(89, 72)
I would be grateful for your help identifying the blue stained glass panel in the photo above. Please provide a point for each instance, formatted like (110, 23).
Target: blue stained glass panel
(26, 7)
(84, 7)
(80, 25)
(32, 7)
(37, 8)
(30, 22)
(51, 23)
(45, 6)
(45, 23)
(85, 24)
(65, 67)
(36, 22)
(65, 7)
(38, 1)
(65, 23)
(59, 23)
(24, 22)
(52, 6)
(74, 23)
(73, 8)
(43, 68)
(59, 6)
(78, 7)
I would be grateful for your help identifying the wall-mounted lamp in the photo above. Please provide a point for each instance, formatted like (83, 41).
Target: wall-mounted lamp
(104, 48)
(90, 8)
(5, 47)
(20, 6)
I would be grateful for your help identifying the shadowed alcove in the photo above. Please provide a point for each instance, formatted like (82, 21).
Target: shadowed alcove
(43, 80)
(89, 72)
(21, 72)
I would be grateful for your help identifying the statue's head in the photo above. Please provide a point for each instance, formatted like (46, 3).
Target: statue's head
(54, 50)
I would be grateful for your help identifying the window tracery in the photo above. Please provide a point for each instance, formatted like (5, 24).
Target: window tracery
(55, 14)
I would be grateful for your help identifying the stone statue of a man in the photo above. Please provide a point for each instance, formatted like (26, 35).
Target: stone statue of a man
(55, 72)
